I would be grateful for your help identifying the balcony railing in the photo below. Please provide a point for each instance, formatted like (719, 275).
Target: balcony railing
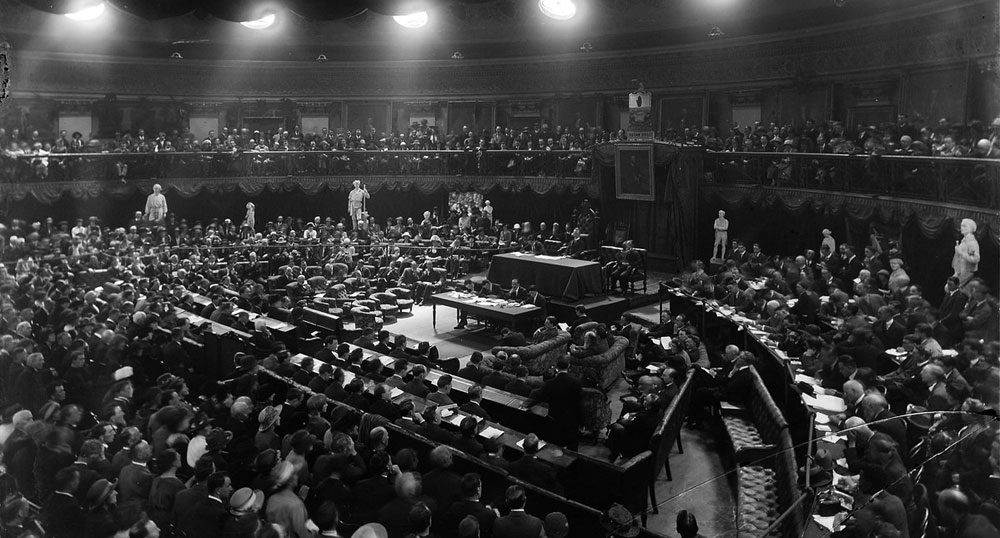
(114, 166)
(953, 180)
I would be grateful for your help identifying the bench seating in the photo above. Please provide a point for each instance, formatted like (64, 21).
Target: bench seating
(586, 518)
(766, 491)
(667, 434)
(755, 431)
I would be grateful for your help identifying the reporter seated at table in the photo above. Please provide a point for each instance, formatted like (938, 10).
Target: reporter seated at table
(441, 396)
(383, 403)
(547, 331)
(473, 369)
(490, 290)
(431, 427)
(516, 293)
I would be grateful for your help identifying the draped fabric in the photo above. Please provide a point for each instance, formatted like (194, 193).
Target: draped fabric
(666, 225)
(49, 192)
(932, 220)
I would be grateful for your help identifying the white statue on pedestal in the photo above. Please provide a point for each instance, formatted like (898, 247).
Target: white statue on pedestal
(965, 262)
(721, 236)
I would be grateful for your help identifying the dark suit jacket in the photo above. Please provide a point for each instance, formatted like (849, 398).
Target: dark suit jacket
(893, 427)
(563, 396)
(513, 339)
(537, 472)
(417, 388)
(806, 307)
(370, 495)
(386, 409)
(207, 520)
(518, 386)
(62, 516)
(459, 509)
(975, 526)
(435, 433)
(517, 524)
(471, 372)
(474, 408)
(134, 482)
(518, 294)
(495, 379)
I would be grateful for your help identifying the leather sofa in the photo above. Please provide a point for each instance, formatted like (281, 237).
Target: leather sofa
(539, 357)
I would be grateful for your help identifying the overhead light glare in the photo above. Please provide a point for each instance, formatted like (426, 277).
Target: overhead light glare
(264, 22)
(88, 13)
(716, 32)
(560, 10)
(412, 20)
(457, 55)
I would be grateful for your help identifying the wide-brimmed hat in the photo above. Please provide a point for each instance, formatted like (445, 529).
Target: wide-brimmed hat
(371, 530)
(99, 492)
(620, 522)
(919, 417)
(268, 416)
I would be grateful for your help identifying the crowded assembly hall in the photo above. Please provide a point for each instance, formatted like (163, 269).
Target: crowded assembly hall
(499, 268)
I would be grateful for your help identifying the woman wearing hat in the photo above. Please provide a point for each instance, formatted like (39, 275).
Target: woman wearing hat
(266, 436)
(100, 506)
(244, 521)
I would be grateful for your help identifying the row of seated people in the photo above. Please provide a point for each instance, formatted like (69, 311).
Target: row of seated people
(153, 410)
(920, 383)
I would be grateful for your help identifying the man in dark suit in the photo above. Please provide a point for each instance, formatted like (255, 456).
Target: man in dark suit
(581, 317)
(210, 515)
(517, 293)
(518, 523)
(187, 500)
(471, 505)
(949, 328)
(509, 338)
(519, 385)
(466, 440)
(474, 405)
(953, 507)
(135, 479)
(852, 265)
(61, 514)
(431, 428)
(807, 304)
(384, 345)
(496, 378)
(471, 370)
(383, 403)
(875, 410)
(562, 393)
(416, 385)
(367, 339)
(533, 470)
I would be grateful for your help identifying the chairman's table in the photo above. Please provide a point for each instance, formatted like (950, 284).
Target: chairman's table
(498, 310)
(553, 276)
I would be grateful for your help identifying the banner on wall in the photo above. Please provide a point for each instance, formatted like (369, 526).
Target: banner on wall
(640, 115)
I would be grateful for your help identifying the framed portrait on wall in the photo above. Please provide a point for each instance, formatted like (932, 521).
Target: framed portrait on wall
(634, 172)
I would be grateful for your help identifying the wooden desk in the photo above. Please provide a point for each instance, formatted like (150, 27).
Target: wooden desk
(498, 310)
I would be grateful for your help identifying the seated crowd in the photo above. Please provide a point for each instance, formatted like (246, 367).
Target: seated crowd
(921, 428)
(908, 136)
(110, 428)
(575, 141)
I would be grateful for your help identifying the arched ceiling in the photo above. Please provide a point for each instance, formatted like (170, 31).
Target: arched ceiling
(346, 30)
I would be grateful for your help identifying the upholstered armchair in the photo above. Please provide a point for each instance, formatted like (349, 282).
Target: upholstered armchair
(539, 357)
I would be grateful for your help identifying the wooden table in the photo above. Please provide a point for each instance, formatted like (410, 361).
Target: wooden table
(498, 310)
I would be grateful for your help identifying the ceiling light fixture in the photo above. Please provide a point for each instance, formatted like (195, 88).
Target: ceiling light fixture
(176, 56)
(412, 20)
(88, 13)
(586, 47)
(716, 32)
(321, 58)
(457, 56)
(560, 10)
(260, 24)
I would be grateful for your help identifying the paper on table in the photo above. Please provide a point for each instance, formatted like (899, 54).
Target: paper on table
(520, 444)
(490, 432)
(825, 402)
(456, 419)
(395, 391)
(802, 378)
(823, 428)
(386, 360)
(822, 418)
(829, 523)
